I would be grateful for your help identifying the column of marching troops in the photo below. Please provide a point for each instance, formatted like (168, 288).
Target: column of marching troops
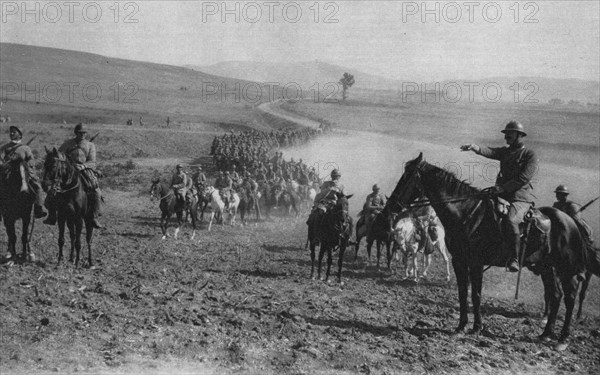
(254, 155)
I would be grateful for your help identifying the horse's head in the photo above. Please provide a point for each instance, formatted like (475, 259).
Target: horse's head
(57, 169)
(409, 187)
(155, 188)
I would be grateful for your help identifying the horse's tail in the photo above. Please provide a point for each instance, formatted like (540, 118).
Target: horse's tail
(593, 258)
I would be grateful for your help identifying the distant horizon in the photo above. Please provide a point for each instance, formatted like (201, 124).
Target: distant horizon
(190, 66)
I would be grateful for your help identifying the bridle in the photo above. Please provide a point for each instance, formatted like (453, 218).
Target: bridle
(56, 186)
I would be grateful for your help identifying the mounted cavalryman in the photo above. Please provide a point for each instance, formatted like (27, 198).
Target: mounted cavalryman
(518, 166)
(83, 154)
(572, 209)
(17, 154)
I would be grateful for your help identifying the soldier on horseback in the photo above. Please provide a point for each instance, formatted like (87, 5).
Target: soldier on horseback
(83, 153)
(518, 166)
(323, 199)
(19, 155)
(574, 210)
(373, 205)
(181, 185)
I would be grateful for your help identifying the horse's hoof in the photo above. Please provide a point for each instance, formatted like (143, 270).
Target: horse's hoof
(163, 237)
(543, 322)
(544, 338)
(340, 282)
(561, 346)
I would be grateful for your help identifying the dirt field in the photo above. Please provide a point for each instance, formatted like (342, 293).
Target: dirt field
(239, 300)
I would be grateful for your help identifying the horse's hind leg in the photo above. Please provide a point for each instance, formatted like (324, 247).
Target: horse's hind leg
(584, 285)
(554, 293)
(78, 230)
(570, 290)
(321, 254)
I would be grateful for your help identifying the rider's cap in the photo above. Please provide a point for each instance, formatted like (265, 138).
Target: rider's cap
(79, 128)
(179, 166)
(514, 126)
(16, 129)
(561, 189)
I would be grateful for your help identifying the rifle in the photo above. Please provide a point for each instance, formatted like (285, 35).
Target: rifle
(94, 137)
(31, 140)
(588, 204)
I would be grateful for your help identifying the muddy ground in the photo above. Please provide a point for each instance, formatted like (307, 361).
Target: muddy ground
(239, 300)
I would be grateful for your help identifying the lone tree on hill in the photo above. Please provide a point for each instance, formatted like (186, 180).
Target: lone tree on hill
(346, 81)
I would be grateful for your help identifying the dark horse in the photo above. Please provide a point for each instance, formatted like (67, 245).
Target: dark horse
(381, 231)
(248, 203)
(335, 231)
(169, 205)
(65, 184)
(15, 205)
(474, 240)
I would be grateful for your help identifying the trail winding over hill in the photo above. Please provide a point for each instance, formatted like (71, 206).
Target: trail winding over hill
(274, 108)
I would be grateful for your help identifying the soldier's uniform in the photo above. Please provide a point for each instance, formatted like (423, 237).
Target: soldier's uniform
(181, 183)
(83, 153)
(322, 200)
(15, 153)
(373, 204)
(518, 166)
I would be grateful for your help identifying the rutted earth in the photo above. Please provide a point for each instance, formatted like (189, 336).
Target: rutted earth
(239, 300)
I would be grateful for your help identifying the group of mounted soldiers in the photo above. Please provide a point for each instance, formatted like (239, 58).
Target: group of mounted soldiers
(16, 155)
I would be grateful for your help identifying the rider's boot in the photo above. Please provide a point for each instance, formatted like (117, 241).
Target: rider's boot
(512, 241)
(96, 201)
(38, 209)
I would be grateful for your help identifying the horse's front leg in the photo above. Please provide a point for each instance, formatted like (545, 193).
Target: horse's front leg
(570, 286)
(194, 215)
(322, 249)
(378, 245)
(9, 224)
(312, 259)
(180, 222)
(78, 230)
(61, 239)
(476, 274)
(72, 235)
(212, 216)
(584, 285)
(554, 292)
(369, 246)
(164, 223)
(27, 256)
(329, 262)
(356, 246)
(340, 263)
(462, 281)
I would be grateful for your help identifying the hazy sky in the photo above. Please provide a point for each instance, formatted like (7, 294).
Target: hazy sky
(472, 39)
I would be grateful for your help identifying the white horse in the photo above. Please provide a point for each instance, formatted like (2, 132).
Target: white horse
(216, 203)
(435, 230)
(407, 241)
(232, 205)
(420, 236)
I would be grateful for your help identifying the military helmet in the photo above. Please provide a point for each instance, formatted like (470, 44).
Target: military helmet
(335, 173)
(375, 187)
(79, 128)
(515, 126)
(179, 166)
(15, 128)
(562, 189)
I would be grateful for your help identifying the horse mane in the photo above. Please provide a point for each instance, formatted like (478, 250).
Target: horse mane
(454, 185)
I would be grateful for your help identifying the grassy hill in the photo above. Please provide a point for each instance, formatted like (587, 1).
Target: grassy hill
(65, 84)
